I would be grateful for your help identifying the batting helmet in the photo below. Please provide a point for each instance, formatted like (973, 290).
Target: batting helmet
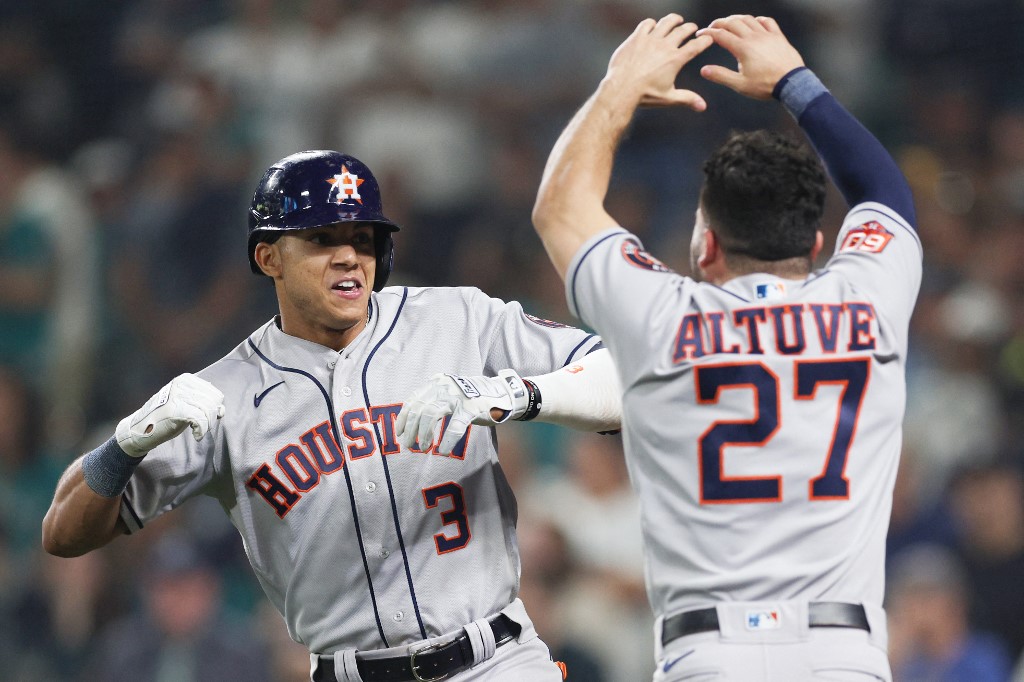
(317, 188)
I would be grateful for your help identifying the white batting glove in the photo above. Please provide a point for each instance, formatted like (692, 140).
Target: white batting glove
(187, 401)
(468, 400)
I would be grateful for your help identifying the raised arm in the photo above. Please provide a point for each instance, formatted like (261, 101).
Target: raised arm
(642, 71)
(85, 511)
(768, 66)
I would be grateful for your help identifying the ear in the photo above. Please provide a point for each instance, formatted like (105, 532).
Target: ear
(712, 250)
(268, 258)
(819, 243)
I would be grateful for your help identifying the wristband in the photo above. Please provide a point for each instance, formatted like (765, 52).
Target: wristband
(108, 468)
(533, 404)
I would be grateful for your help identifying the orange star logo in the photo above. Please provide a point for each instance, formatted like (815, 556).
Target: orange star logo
(347, 186)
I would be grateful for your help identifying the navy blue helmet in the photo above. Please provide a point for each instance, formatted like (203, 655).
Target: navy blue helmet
(317, 188)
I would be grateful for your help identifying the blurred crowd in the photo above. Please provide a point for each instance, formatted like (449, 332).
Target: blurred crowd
(132, 133)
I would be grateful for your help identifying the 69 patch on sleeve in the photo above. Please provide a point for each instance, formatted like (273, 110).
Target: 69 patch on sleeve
(870, 237)
(635, 255)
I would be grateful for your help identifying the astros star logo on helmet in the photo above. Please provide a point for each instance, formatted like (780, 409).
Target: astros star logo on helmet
(346, 186)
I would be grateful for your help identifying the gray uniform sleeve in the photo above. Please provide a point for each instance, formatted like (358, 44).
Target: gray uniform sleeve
(170, 474)
(624, 293)
(528, 344)
(880, 255)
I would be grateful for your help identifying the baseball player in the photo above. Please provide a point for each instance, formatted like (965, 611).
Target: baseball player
(389, 561)
(762, 405)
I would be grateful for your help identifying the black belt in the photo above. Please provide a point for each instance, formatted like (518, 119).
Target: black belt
(430, 663)
(820, 614)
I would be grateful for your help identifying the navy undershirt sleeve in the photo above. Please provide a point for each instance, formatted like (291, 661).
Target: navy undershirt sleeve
(857, 162)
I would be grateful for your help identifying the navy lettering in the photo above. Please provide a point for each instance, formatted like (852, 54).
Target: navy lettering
(328, 458)
(750, 317)
(276, 493)
(795, 313)
(689, 342)
(861, 317)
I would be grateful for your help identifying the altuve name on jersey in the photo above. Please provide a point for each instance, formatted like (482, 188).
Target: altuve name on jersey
(298, 467)
(782, 329)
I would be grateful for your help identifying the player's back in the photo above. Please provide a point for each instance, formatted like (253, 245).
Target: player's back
(762, 419)
(774, 472)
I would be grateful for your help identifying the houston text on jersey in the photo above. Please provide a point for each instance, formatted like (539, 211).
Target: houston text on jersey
(296, 469)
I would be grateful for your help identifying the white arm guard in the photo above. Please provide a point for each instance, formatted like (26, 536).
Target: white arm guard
(585, 395)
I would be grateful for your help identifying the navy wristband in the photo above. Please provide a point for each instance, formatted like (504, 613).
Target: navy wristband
(108, 468)
(797, 89)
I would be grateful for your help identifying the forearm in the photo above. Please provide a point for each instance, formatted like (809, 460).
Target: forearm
(860, 167)
(585, 395)
(79, 519)
(570, 201)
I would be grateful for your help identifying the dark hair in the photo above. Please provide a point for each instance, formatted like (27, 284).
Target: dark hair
(763, 195)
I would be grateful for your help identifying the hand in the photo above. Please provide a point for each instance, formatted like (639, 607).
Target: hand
(469, 400)
(646, 64)
(187, 401)
(762, 53)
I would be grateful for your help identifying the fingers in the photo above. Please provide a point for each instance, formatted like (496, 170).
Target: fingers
(679, 97)
(730, 41)
(457, 427)
(722, 76)
(401, 422)
(680, 33)
(667, 24)
(769, 24)
(645, 26)
(738, 24)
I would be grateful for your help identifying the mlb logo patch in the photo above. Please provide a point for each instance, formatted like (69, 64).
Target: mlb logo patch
(764, 620)
(770, 290)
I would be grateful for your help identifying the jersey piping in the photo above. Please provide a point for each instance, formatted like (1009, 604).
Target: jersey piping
(348, 480)
(387, 473)
(576, 270)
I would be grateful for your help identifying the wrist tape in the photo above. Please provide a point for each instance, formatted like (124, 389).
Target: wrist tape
(108, 468)
(533, 404)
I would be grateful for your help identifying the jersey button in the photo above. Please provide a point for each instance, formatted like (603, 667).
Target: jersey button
(384, 553)
(346, 391)
(399, 616)
(371, 486)
(332, 363)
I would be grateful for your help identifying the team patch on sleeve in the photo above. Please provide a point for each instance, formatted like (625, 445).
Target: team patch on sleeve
(545, 323)
(635, 255)
(870, 237)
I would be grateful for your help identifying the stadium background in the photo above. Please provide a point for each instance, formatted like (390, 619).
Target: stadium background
(132, 133)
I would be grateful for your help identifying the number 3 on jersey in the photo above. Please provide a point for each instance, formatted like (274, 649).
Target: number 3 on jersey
(831, 484)
(456, 515)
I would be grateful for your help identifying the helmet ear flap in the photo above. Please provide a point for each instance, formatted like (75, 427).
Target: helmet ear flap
(384, 247)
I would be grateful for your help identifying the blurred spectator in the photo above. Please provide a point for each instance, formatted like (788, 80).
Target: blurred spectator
(56, 616)
(596, 510)
(179, 633)
(180, 284)
(930, 637)
(28, 475)
(988, 502)
(48, 275)
(917, 516)
(547, 571)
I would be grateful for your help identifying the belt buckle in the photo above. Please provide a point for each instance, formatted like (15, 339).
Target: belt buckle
(412, 663)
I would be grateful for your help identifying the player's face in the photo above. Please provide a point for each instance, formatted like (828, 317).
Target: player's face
(324, 281)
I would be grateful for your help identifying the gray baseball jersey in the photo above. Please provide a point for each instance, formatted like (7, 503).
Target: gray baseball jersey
(358, 542)
(762, 419)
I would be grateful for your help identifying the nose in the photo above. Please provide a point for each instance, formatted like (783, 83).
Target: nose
(344, 255)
